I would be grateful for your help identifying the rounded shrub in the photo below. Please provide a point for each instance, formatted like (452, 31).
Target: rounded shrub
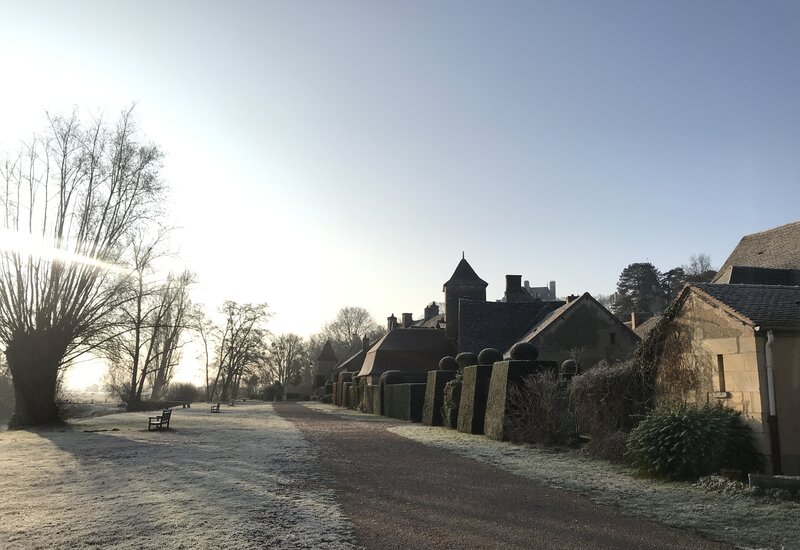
(686, 442)
(489, 356)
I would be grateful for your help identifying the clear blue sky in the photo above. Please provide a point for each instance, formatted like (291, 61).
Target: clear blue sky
(334, 153)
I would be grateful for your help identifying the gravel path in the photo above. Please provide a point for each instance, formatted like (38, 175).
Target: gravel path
(401, 494)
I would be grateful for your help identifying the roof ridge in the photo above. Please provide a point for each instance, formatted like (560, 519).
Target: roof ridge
(771, 229)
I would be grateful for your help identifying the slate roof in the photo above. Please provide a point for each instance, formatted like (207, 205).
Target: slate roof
(554, 315)
(433, 322)
(464, 275)
(327, 353)
(411, 350)
(777, 248)
(766, 306)
(644, 329)
(497, 324)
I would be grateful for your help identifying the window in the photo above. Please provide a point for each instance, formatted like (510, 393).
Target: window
(721, 372)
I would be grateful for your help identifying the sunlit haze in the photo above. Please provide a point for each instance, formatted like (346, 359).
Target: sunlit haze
(327, 154)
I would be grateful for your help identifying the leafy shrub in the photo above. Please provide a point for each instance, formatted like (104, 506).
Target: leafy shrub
(686, 442)
(540, 411)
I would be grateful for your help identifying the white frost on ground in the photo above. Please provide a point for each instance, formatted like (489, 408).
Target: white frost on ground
(243, 478)
(743, 522)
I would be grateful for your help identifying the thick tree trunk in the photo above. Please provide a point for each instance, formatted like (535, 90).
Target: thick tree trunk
(33, 359)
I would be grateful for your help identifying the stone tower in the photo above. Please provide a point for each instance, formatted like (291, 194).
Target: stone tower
(464, 283)
(326, 362)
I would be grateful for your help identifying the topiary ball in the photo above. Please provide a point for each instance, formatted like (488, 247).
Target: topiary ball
(466, 359)
(448, 362)
(392, 377)
(524, 351)
(489, 356)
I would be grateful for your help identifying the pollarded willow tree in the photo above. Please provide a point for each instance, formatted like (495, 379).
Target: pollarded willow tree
(70, 201)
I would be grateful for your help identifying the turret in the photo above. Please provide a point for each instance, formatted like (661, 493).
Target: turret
(464, 283)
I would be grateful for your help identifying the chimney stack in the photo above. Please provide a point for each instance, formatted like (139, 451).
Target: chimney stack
(407, 320)
(431, 311)
(633, 320)
(513, 283)
(391, 323)
(553, 289)
(571, 298)
(365, 343)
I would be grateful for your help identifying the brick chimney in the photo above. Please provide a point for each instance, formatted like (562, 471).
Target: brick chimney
(553, 289)
(571, 298)
(391, 323)
(408, 320)
(365, 343)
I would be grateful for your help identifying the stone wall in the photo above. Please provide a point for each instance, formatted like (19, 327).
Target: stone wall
(404, 401)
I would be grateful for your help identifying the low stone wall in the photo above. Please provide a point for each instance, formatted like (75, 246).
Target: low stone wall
(434, 396)
(474, 393)
(404, 401)
(341, 390)
(505, 375)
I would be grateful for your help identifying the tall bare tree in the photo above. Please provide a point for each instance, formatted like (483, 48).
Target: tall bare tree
(242, 348)
(69, 200)
(347, 329)
(287, 360)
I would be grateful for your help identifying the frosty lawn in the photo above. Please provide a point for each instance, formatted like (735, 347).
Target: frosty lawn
(244, 478)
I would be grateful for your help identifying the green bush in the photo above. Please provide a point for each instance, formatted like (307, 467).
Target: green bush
(686, 442)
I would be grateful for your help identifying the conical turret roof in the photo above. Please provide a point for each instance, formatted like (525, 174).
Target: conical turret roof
(327, 353)
(464, 275)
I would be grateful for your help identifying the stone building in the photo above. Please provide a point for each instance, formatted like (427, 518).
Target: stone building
(743, 341)
(325, 364)
(464, 284)
(583, 330)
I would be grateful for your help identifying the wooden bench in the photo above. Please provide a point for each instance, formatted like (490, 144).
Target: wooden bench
(215, 408)
(160, 421)
(232, 403)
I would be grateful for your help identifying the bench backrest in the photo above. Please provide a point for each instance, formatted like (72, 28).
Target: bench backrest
(165, 414)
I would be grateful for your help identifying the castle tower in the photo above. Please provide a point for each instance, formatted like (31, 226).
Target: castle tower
(464, 283)
(325, 363)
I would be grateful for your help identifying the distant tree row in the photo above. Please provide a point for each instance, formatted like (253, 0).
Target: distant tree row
(643, 288)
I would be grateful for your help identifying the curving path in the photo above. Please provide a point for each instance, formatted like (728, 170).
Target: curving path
(401, 494)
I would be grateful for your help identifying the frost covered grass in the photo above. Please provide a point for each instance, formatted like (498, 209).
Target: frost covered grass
(243, 478)
(740, 521)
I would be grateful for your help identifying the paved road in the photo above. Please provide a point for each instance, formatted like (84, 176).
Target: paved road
(403, 494)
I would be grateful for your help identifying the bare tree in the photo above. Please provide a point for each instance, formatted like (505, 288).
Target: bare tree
(345, 332)
(287, 359)
(70, 200)
(242, 348)
(208, 333)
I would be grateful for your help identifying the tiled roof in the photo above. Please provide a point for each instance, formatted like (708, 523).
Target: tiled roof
(411, 350)
(464, 275)
(777, 248)
(497, 324)
(327, 353)
(433, 322)
(645, 328)
(767, 306)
